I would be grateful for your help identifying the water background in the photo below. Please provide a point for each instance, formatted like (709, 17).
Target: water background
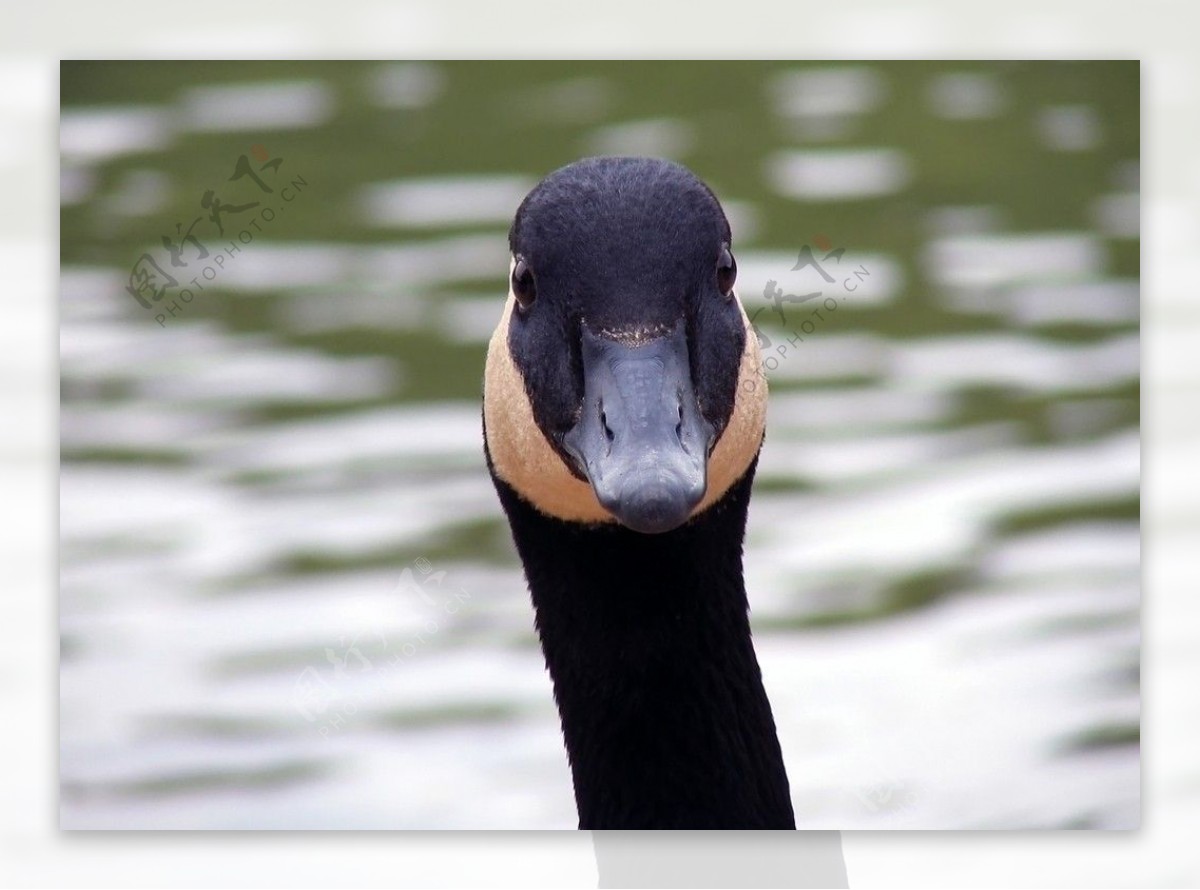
(288, 595)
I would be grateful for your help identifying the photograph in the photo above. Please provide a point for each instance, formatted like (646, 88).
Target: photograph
(562, 445)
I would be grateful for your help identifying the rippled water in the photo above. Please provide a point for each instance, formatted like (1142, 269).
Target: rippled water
(289, 599)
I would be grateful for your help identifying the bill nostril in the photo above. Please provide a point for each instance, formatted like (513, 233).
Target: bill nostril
(608, 433)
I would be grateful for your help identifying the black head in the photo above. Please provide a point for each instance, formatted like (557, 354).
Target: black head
(629, 344)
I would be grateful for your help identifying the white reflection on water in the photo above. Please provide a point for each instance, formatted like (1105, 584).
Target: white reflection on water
(253, 374)
(1017, 361)
(252, 107)
(966, 95)
(406, 85)
(880, 277)
(75, 184)
(138, 193)
(573, 100)
(1118, 215)
(964, 219)
(830, 356)
(193, 364)
(272, 266)
(858, 410)
(469, 319)
(99, 134)
(939, 512)
(855, 459)
(1096, 303)
(1069, 127)
(444, 201)
(958, 729)
(660, 137)
(845, 174)
(441, 432)
(977, 260)
(827, 92)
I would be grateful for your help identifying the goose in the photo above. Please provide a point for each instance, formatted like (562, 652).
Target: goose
(623, 413)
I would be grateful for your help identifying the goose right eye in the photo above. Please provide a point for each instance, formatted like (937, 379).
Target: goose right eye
(726, 271)
(524, 288)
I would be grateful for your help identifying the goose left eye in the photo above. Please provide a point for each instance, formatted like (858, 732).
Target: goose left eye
(726, 271)
(524, 288)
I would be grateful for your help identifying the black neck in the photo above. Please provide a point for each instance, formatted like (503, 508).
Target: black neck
(647, 640)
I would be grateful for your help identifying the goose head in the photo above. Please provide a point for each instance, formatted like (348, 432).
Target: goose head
(623, 381)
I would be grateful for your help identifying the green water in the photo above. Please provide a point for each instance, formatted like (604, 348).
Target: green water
(943, 546)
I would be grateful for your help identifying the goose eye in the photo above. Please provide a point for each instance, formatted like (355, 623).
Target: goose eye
(523, 286)
(726, 271)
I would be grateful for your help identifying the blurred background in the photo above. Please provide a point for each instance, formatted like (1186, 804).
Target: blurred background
(288, 595)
